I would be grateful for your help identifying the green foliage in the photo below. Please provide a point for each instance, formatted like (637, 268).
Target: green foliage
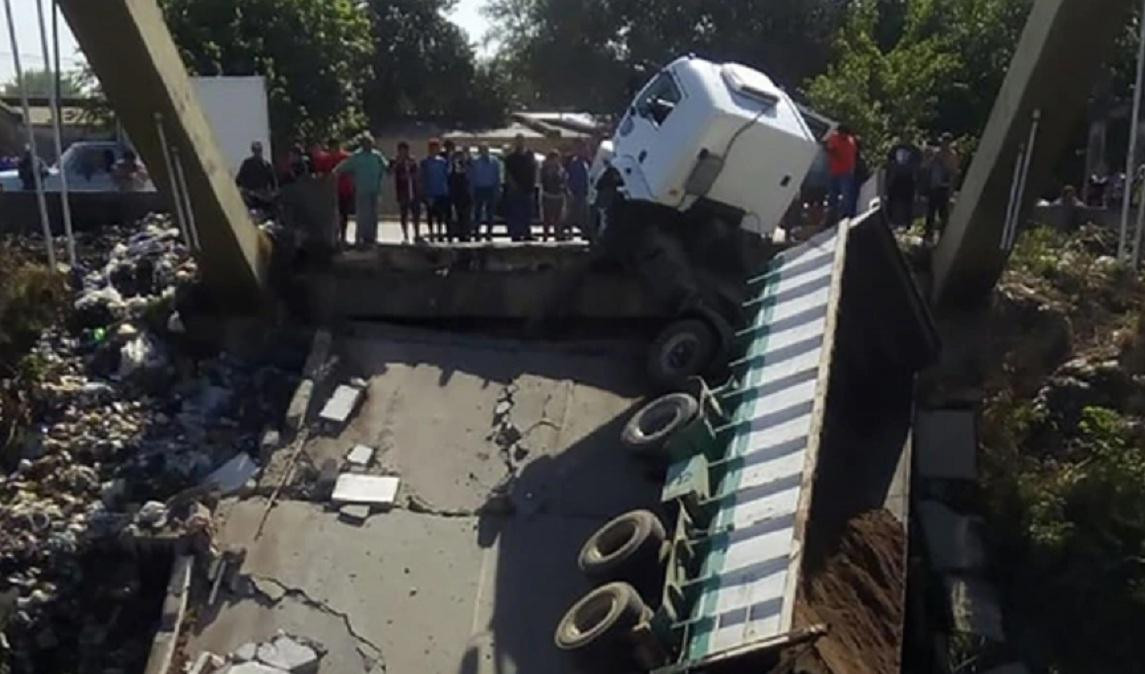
(315, 55)
(425, 67)
(43, 82)
(590, 54)
(918, 68)
(31, 297)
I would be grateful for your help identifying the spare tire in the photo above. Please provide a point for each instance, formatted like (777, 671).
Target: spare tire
(683, 350)
(626, 548)
(597, 626)
(654, 423)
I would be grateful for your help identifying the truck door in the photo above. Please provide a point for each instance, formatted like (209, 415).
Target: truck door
(645, 148)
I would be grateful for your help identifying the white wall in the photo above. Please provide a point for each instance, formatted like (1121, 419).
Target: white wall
(237, 110)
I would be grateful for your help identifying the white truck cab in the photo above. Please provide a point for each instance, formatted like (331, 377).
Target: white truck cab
(723, 133)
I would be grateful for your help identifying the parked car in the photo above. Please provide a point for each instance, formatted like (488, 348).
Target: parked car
(88, 165)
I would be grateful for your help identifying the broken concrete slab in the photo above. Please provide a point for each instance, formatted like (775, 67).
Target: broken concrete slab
(289, 654)
(946, 444)
(360, 456)
(254, 668)
(206, 663)
(341, 404)
(299, 405)
(365, 489)
(319, 353)
(974, 607)
(1011, 668)
(246, 652)
(233, 475)
(354, 514)
(953, 541)
(271, 590)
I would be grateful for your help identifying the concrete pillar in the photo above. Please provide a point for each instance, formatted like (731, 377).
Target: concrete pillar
(131, 51)
(1063, 45)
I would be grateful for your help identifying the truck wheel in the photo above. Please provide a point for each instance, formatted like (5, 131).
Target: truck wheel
(626, 548)
(683, 350)
(596, 626)
(647, 430)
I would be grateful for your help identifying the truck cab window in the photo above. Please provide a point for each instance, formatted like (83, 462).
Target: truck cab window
(660, 99)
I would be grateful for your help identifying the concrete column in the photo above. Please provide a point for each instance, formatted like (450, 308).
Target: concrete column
(1063, 45)
(131, 51)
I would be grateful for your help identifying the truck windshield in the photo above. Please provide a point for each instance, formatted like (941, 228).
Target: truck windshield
(659, 99)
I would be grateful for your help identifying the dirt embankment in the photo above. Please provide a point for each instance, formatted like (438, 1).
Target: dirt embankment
(858, 595)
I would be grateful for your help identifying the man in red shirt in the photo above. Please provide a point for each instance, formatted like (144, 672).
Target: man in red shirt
(324, 162)
(842, 156)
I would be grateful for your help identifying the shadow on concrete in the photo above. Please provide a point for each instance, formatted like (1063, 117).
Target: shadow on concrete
(559, 502)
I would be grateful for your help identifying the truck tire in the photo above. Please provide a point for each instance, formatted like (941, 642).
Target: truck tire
(595, 628)
(683, 350)
(626, 548)
(654, 423)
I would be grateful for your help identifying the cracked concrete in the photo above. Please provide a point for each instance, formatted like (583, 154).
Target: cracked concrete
(274, 592)
(446, 583)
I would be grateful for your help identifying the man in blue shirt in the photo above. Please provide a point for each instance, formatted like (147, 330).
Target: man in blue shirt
(577, 170)
(435, 183)
(486, 176)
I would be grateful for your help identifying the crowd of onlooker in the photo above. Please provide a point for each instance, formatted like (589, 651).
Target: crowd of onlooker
(930, 172)
(459, 193)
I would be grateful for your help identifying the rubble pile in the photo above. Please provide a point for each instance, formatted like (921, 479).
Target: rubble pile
(282, 654)
(126, 415)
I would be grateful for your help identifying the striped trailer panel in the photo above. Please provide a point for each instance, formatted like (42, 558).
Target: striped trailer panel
(750, 574)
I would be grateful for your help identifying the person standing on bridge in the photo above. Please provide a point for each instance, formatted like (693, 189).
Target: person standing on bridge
(486, 176)
(368, 167)
(942, 174)
(577, 213)
(554, 185)
(842, 156)
(325, 161)
(435, 184)
(903, 163)
(405, 170)
(521, 175)
(256, 179)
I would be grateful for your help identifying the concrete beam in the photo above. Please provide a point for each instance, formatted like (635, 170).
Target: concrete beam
(131, 51)
(1063, 45)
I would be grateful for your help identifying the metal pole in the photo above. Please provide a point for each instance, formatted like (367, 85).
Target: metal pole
(1137, 235)
(192, 228)
(1131, 159)
(177, 201)
(1013, 197)
(57, 128)
(31, 136)
(1022, 183)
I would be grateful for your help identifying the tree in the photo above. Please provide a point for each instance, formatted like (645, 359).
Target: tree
(919, 67)
(424, 66)
(591, 53)
(315, 55)
(43, 82)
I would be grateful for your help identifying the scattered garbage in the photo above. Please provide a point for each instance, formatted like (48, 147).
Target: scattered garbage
(233, 475)
(125, 410)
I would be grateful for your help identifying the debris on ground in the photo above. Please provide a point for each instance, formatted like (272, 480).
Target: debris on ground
(341, 404)
(124, 408)
(858, 594)
(282, 654)
(360, 456)
(370, 490)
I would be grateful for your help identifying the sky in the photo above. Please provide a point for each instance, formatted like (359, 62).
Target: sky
(467, 14)
(28, 37)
